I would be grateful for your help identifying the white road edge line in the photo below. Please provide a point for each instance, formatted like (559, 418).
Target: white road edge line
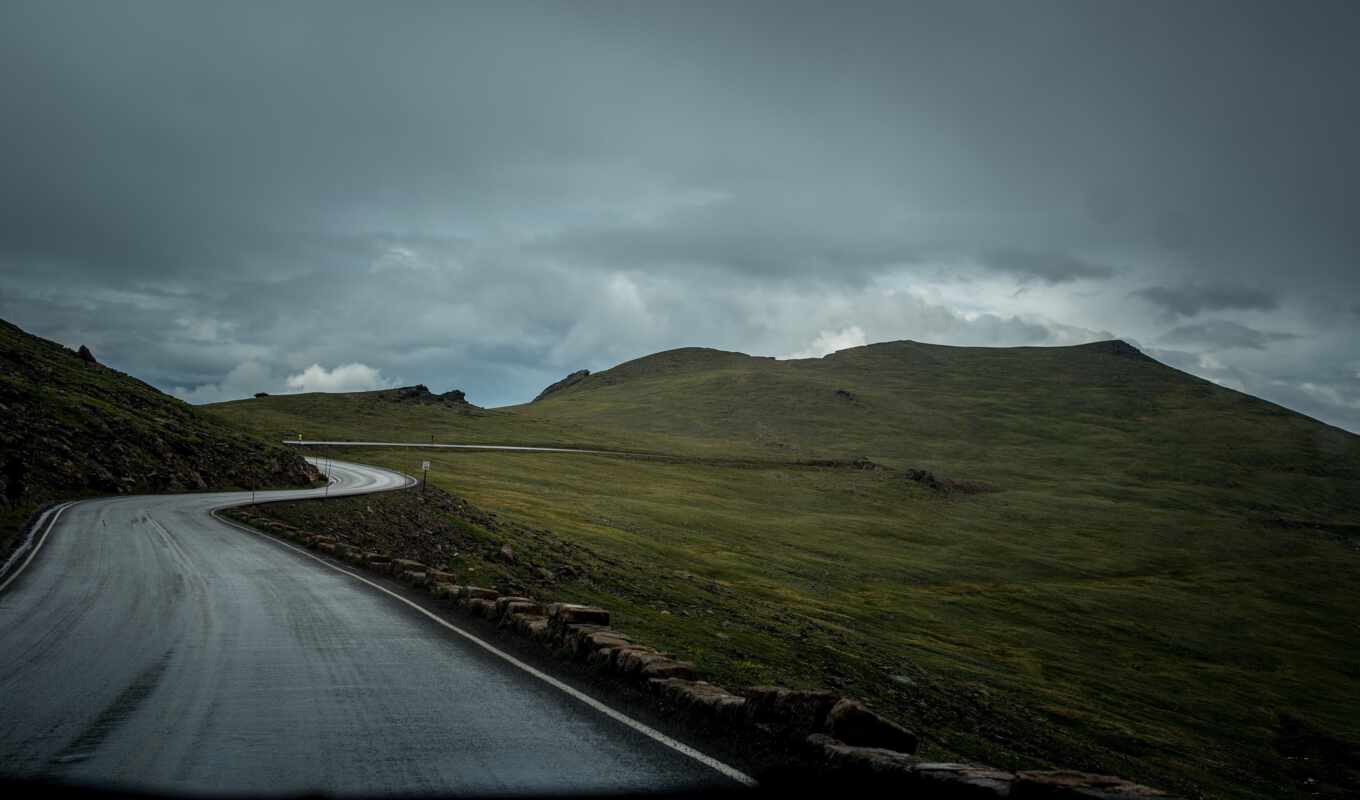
(55, 513)
(433, 446)
(646, 730)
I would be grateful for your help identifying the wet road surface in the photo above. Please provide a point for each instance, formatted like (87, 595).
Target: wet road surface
(150, 646)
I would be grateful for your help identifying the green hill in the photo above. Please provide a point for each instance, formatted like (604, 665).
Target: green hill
(1158, 583)
(73, 427)
(1099, 418)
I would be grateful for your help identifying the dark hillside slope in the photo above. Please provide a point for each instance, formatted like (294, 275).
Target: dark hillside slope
(73, 427)
(1099, 417)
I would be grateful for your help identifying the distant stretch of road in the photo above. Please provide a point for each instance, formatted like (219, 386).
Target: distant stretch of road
(306, 443)
(148, 645)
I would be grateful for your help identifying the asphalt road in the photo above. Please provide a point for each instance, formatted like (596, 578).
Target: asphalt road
(150, 646)
(418, 445)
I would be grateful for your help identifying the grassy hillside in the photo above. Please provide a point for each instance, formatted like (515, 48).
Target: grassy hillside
(1096, 419)
(73, 427)
(382, 416)
(1161, 585)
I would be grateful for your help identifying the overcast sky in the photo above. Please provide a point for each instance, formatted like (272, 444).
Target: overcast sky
(230, 198)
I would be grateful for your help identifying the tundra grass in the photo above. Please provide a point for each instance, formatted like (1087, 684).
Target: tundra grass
(1014, 627)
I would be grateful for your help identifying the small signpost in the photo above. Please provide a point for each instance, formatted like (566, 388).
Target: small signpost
(425, 468)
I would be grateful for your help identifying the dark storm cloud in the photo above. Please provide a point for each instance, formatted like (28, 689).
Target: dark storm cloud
(1220, 334)
(1189, 300)
(1051, 268)
(222, 196)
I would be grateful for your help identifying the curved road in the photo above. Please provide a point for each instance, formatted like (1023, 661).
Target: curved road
(150, 646)
(433, 446)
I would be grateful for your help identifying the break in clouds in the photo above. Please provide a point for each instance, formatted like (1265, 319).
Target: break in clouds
(232, 198)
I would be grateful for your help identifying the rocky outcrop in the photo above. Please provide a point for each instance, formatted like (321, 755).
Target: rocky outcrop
(420, 394)
(571, 380)
(85, 355)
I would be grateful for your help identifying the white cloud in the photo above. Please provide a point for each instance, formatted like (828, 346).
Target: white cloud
(344, 378)
(1329, 394)
(398, 257)
(243, 380)
(831, 341)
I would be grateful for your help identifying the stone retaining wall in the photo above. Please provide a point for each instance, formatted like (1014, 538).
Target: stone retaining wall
(838, 735)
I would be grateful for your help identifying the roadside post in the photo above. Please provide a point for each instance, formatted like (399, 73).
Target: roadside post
(424, 468)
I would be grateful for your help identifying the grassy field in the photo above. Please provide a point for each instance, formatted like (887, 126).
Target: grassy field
(1162, 585)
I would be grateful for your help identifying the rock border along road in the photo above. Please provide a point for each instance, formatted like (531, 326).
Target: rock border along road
(147, 645)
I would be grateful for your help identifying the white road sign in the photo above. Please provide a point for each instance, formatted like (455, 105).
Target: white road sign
(425, 465)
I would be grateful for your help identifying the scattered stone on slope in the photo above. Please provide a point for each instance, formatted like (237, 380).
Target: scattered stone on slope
(947, 485)
(855, 462)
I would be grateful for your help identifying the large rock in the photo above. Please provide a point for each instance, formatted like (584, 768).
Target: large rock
(481, 607)
(795, 712)
(860, 761)
(1066, 783)
(505, 600)
(399, 565)
(594, 641)
(963, 780)
(85, 355)
(852, 723)
(571, 613)
(519, 608)
(535, 628)
(479, 593)
(433, 576)
(667, 668)
(699, 697)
